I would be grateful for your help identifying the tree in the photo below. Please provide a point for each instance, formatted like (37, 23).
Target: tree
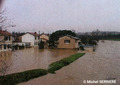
(1, 12)
(1, 2)
(41, 45)
(4, 24)
(56, 35)
(4, 66)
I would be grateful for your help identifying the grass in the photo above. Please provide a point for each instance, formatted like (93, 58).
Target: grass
(64, 62)
(20, 77)
(16, 78)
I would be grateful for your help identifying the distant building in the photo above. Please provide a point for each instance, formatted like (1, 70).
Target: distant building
(6, 40)
(30, 39)
(45, 38)
(68, 42)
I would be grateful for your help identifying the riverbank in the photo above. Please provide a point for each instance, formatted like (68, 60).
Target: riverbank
(64, 62)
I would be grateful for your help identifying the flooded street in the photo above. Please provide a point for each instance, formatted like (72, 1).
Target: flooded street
(34, 58)
(104, 64)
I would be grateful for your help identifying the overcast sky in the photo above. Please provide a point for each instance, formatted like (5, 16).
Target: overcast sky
(51, 15)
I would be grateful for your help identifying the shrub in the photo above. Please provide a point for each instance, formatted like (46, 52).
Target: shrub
(16, 78)
(64, 62)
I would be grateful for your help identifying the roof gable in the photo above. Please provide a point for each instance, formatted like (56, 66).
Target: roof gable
(31, 34)
(70, 37)
(5, 33)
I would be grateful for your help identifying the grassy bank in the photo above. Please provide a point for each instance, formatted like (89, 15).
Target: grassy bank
(64, 62)
(16, 78)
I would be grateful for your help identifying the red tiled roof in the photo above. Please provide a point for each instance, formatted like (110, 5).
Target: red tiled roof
(44, 34)
(34, 34)
(4, 32)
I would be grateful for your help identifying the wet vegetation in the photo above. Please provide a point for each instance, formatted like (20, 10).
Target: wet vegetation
(16, 78)
(64, 62)
(13, 79)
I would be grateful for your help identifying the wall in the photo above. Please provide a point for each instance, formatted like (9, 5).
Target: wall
(1, 38)
(28, 38)
(73, 43)
(44, 36)
(9, 41)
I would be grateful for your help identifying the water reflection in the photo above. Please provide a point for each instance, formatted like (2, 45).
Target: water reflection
(5, 62)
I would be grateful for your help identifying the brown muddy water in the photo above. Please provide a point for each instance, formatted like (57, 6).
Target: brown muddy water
(104, 64)
(34, 58)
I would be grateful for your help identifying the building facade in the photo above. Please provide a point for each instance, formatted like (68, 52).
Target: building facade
(30, 39)
(44, 37)
(68, 42)
(6, 40)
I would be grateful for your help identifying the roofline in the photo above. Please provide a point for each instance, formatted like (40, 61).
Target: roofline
(30, 34)
(71, 37)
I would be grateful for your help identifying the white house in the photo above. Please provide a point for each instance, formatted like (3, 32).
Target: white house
(30, 39)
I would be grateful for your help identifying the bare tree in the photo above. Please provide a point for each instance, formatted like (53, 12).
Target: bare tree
(2, 19)
(4, 24)
(1, 2)
(3, 64)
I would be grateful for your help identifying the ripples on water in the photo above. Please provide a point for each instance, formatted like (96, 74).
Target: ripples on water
(33, 58)
(103, 64)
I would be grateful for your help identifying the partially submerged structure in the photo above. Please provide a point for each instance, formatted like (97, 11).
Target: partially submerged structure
(6, 40)
(44, 38)
(30, 39)
(68, 42)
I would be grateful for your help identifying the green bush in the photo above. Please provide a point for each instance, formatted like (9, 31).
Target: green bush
(64, 62)
(16, 78)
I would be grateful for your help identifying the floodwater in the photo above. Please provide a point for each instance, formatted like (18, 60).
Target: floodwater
(104, 64)
(33, 58)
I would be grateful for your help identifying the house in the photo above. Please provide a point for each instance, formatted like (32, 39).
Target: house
(44, 37)
(30, 39)
(69, 42)
(6, 39)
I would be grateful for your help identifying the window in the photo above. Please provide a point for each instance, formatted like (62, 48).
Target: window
(35, 43)
(5, 47)
(6, 38)
(0, 47)
(67, 41)
(9, 38)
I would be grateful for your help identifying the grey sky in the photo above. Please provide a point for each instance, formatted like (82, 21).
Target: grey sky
(51, 15)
